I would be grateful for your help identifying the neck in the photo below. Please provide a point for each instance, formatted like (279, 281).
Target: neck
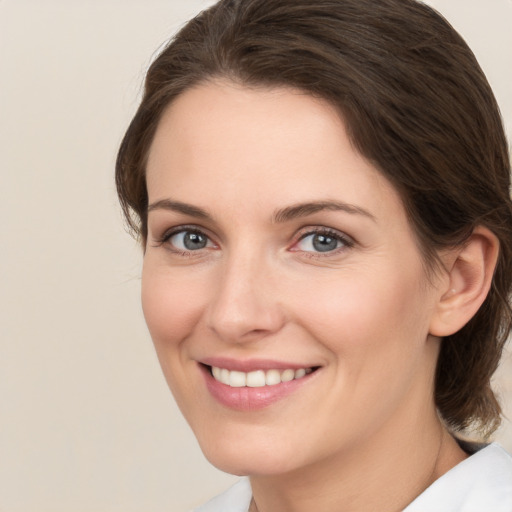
(384, 473)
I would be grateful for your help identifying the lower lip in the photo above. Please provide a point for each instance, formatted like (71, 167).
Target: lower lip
(251, 399)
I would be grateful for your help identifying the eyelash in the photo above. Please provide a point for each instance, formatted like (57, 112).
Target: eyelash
(164, 239)
(346, 241)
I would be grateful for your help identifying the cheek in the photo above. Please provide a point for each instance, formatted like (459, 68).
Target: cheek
(374, 328)
(367, 311)
(171, 305)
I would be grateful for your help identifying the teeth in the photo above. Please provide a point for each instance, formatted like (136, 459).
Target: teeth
(300, 373)
(288, 375)
(237, 379)
(272, 377)
(258, 378)
(224, 376)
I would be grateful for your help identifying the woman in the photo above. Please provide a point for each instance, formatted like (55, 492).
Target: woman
(321, 190)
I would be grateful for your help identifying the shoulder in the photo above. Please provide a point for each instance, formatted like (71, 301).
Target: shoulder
(481, 482)
(236, 499)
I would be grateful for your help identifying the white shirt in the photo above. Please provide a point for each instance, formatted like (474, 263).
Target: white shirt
(480, 483)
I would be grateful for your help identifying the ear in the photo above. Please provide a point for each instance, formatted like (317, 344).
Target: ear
(470, 269)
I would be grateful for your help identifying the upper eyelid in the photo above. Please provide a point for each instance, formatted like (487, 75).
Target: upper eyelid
(167, 233)
(312, 230)
(160, 239)
(300, 234)
(163, 241)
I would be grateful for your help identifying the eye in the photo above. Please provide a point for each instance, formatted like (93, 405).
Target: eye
(187, 240)
(322, 242)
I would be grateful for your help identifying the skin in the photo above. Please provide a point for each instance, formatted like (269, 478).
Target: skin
(363, 432)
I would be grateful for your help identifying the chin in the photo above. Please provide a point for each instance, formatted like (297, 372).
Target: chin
(250, 459)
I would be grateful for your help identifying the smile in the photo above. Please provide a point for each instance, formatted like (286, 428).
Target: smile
(261, 384)
(257, 378)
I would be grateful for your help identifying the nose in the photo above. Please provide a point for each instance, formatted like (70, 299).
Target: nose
(245, 305)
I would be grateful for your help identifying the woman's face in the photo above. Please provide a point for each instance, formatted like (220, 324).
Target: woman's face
(281, 260)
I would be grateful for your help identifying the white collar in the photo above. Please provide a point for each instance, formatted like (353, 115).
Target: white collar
(481, 483)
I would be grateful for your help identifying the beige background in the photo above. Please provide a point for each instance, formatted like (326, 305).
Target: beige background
(86, 421)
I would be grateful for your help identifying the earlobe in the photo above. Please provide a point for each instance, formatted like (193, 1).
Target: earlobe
(470, 271)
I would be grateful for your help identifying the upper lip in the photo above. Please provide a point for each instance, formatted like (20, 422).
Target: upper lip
(249, 365)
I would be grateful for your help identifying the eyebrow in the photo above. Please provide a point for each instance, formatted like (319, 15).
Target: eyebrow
(280, 216)
(305, 209)
(177, 206)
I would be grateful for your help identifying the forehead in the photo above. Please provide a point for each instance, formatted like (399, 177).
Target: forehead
(232, 143)
(223, 118)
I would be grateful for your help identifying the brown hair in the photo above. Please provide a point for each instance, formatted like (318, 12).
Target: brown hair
(415, 103)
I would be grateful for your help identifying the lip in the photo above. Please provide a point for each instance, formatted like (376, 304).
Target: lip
(247, 398)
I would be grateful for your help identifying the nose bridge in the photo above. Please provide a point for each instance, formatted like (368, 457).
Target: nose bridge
(244, 305)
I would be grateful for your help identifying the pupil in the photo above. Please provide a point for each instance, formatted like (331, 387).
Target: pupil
(194, 241)
(323, 243)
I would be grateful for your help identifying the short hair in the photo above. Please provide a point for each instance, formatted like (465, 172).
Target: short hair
(415, 103)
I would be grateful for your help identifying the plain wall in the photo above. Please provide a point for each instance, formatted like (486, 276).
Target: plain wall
(86, 420)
